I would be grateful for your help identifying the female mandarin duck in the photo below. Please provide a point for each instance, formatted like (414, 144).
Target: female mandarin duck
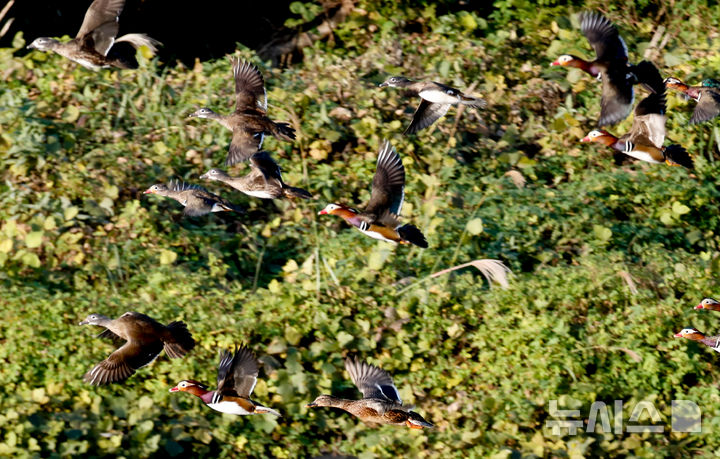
(237, 376)
(713, 342)
(645, 139)
(263, 181)
(707, 97)
(709, 303)
(610, 65)
(145, 339)
(380, 218)
(249, 122)
(197, 200)
(436, 99)
(381, 401)
(96, 38)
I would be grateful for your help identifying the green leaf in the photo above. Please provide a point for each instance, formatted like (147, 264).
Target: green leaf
(474, 226)
(602, 233)
(679, 208)
(71, 114)
(167, 257)
(34, 239)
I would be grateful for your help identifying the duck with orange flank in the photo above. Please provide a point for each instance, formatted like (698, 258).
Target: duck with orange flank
(380, 219)
(713, 342)
(645, 139)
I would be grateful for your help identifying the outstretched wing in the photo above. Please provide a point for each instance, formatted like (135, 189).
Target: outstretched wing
(266, 165)
(243, 145)
(122, 363)
(425, 115)
(100, 26)
(237, 374)
(388, 187)
(603, 37)
(249, 86)
(708, 107)
(372, 381)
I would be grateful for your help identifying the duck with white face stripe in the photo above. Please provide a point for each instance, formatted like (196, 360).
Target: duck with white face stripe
(693, 334)
(644, 140)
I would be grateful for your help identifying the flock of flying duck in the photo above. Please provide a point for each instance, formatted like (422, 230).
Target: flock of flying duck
(145, 338)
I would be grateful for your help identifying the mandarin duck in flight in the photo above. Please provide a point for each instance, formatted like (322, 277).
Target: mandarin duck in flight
(237, 376)
(144, 339)
(435, 100)
(96, 38)
(713, 342)
(381, 403)
(379, 220)
(707, 96)
(645, 139)
(249, 122)
(263, 181)
(196, 199)
(610, 66)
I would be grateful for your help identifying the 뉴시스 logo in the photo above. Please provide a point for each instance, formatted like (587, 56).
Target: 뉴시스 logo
(686, 416)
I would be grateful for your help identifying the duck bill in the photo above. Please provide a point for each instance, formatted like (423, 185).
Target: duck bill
(191, 115)
(586, 139)
(678, 335)
(174, 389)
(204, 177)
(323, 212)
(311, 405)
(554, 63)
(699, 306)
(383, 84)
(148, 192)
(84, 322)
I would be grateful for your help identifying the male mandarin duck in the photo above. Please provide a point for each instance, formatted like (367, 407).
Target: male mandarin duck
(237, 376)
(709, 303)
(197, 200)
(380, 218)
(381, 401)
(263, 181)
(712, 342)
(610, 66)
(144, 339)
(96, 38)
(707, 97)
(645, 139)
(249, 122)
(436, 99)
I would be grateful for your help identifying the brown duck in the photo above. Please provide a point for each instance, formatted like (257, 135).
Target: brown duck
(380, 218)
(263, 181)
(237, 376)
(381, 401)
(435, 100)
(713, 342)
(144, 339)
(707, 97)
(645, 139)
(610, 66)
(197, 200)
(96, 37)
(249, 122)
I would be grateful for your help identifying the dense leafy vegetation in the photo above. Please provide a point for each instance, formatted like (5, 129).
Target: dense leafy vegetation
(608, 256)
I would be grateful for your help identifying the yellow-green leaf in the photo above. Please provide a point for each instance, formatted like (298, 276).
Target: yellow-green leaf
(475, 226)
(34, 239)
(167, 257)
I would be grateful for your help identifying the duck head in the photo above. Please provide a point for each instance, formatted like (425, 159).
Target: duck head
(215, 174)
(709, 303)
(568, 60)
(674, 83)
(158, 188)
(325, 400)
(203, 113)
(690, 333)
(337, 209)
(190, 385)
(415, 421)
(94, 319)
(599, 136)
(395, 82)
(43, 44)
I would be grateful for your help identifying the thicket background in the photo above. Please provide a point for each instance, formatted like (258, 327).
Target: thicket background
(609, 256)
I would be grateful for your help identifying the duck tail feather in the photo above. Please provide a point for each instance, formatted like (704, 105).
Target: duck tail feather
(676, 155)
(293, 192)
(410, 233)
(181, 341)
(140, 39)
(284, 131)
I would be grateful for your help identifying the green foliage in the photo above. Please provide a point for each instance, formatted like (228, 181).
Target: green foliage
(481, 363)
